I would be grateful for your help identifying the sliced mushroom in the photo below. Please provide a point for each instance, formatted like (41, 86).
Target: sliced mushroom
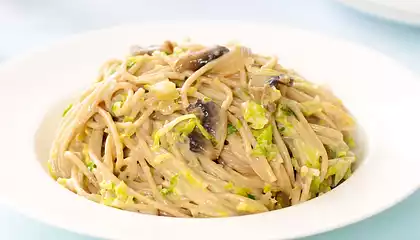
(281, 79)
(259, 85)
(214, 123)
(257, 80)
(197, 60)
(166, 47)
(208, 113)
(199, 144)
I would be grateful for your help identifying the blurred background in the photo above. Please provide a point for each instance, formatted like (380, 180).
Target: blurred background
(28, 24)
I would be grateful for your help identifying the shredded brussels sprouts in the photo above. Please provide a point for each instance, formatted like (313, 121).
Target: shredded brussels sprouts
(254, 114)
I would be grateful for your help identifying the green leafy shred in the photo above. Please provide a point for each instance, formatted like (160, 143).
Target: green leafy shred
(172, 184)
(324, 187)
(182, 130)
(121, 189)
(107, 185)
(267, 188)
(282, 115)
(203, 131)
(239, 124)
(243, 191)
(311, 107)
(251, 196)
(231, 129)
(67, 109)
(314, 157)
(185, 128)
(350, 142)
(315, 185)
(339, 168)
(191, 90)
(229, 186)
(112, 195)
(341, 154)
(91, 166)
(128, 119)
(62, 181)
(164, 90)
(347, 174)
(255, 114)
(265, 146)
(169, 127)
(131, 61)
(117, 105)
(192, 179)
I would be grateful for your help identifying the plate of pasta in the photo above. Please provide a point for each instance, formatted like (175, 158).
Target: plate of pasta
(168, 130)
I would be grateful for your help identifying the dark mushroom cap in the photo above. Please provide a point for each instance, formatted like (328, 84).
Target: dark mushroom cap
(197, 60)
(209, 115)
(281, 79)
(208, 112)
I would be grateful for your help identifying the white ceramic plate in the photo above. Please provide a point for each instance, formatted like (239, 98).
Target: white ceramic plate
(406, 11)
(382, 95)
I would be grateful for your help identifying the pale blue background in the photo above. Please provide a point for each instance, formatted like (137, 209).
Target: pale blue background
(25, 24)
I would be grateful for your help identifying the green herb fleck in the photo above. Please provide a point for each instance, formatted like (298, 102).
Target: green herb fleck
(350, 142)
(251, 196)
(267, 188)
(186, 128)
(91, 166)
(172, 184)
(229, 186)
(164, 191)
(231, 129)
(265, 146)
(341, 154)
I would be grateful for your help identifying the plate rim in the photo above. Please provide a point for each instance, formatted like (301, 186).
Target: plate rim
(384, 11)
(74, 39)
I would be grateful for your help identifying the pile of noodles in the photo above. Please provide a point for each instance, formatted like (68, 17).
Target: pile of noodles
(187, 130)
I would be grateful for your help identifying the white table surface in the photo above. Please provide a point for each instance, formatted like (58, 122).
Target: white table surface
(26, 24)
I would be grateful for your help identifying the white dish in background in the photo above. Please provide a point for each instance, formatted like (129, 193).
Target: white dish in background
(406, 11)
(381, 94)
